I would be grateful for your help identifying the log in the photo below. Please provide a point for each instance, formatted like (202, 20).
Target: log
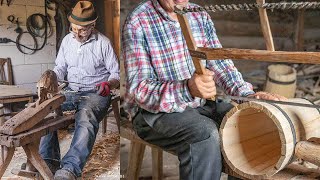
(258, 55)
(31, 116)
(258, 139)
(308, 151)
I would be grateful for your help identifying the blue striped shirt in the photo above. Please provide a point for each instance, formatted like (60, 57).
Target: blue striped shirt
(87, 63)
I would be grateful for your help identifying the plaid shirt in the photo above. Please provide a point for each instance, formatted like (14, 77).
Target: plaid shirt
(158, 63)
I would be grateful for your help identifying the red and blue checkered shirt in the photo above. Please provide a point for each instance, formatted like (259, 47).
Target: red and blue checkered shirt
(158, 64)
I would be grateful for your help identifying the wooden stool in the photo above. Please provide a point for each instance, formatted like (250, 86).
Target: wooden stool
(116, 111)
(29, 141)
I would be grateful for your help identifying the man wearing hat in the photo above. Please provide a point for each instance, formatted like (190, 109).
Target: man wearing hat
(88, 61)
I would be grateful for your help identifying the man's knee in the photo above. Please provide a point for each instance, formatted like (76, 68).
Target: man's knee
(202, 131)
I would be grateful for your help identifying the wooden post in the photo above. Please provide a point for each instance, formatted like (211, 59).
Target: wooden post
(112, 23)
(299, 34)
(157, 163)
(6, 156)
(135, 160)
(265, 26)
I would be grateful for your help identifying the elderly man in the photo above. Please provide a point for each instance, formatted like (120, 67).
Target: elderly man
(164, 95)
(87, 59)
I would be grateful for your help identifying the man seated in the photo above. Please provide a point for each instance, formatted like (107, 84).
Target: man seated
(87, 58)
(164, 95)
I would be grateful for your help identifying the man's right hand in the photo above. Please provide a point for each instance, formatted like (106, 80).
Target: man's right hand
(202, 86)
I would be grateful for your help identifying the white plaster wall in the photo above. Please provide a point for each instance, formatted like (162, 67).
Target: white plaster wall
(27, 69)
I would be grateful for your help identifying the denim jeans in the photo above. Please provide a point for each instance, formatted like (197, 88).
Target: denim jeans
(90, 110)
(193, 135)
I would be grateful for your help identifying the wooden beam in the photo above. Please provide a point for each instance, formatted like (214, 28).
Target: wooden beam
(257, 55)
(299, 34)
(265, 26)
(31, 116)
(112, 23)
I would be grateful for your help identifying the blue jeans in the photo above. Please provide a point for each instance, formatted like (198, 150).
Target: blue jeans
(90, 110)
(193, 135)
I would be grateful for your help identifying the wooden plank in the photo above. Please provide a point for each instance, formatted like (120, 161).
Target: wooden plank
(34, 157)
(15, 99)
(24, 173)
(8, 91)
(31, 116)
(265, 26)
(257, 55)
(116, 27)
(37, 132)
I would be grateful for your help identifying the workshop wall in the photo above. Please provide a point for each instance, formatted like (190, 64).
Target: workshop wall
(27, 69)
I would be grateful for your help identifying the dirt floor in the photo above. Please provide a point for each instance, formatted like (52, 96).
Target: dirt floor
(104, 162)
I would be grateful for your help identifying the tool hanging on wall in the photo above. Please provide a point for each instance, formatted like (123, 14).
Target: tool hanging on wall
(8, 2)
(15, 21)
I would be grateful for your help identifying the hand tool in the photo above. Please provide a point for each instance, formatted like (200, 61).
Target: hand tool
(247, 99)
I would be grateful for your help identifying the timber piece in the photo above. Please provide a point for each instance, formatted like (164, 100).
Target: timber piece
(112, 23)
(265, 26)
(31, 116)
(6, 156)
(157, 164)
(187, 33)
(34, 157)
(257, 55)
(135, 160)
(47, 86)
(25, 173)
(47, 126)
(258, 139)
(308, 151)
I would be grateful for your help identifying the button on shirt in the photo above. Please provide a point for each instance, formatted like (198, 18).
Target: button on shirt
(88, 63)
(158, 63)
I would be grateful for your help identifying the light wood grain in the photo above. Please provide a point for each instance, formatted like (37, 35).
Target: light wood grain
(308, 151)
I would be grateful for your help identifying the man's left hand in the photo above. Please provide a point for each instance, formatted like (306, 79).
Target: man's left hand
(103, 89)
(268, 96)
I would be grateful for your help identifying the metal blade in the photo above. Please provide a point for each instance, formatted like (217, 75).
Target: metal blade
(238, 98)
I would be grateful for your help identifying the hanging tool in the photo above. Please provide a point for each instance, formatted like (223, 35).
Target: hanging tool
(14, 21)
(247, 99)
(8, 2)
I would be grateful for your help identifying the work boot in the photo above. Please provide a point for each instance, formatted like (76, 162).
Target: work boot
(52, 164)
(63, 174)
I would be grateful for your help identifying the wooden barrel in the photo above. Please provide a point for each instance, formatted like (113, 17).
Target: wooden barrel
(281, 80)
(258, 139)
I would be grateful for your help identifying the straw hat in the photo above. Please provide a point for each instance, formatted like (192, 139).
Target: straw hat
(83, 14)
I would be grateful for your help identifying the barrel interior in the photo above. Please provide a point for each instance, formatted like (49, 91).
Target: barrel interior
(251, 142)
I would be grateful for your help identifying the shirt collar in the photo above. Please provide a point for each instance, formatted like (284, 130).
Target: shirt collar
(159, 8)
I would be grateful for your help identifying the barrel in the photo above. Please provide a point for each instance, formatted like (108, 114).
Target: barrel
(281, 80)
(258, 139)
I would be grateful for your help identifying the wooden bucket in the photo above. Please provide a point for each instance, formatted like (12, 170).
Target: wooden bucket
(258, 139)
(281, 80)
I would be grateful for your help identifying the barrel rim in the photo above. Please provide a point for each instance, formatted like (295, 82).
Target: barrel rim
(259, 106)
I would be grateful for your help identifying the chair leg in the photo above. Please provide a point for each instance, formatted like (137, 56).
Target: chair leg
(6, 156)
(116, 112)
(135, 160)
(157, 164)
(104, 125)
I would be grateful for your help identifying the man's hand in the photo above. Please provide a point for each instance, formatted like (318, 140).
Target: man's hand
(268, 96)
(202, 86)
(103, 88)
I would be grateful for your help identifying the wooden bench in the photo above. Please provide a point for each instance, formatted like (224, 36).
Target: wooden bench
(29, 141)
(136, 153)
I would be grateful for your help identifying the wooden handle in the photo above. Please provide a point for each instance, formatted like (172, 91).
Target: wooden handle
(185, 27)
(308, 151)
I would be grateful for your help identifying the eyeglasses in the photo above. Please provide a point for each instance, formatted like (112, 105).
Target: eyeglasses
(83, 31)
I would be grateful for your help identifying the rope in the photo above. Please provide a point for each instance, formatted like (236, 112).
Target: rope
(248, 7)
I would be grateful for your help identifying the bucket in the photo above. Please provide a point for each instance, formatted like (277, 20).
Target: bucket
(281, 80)
(258, 139)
